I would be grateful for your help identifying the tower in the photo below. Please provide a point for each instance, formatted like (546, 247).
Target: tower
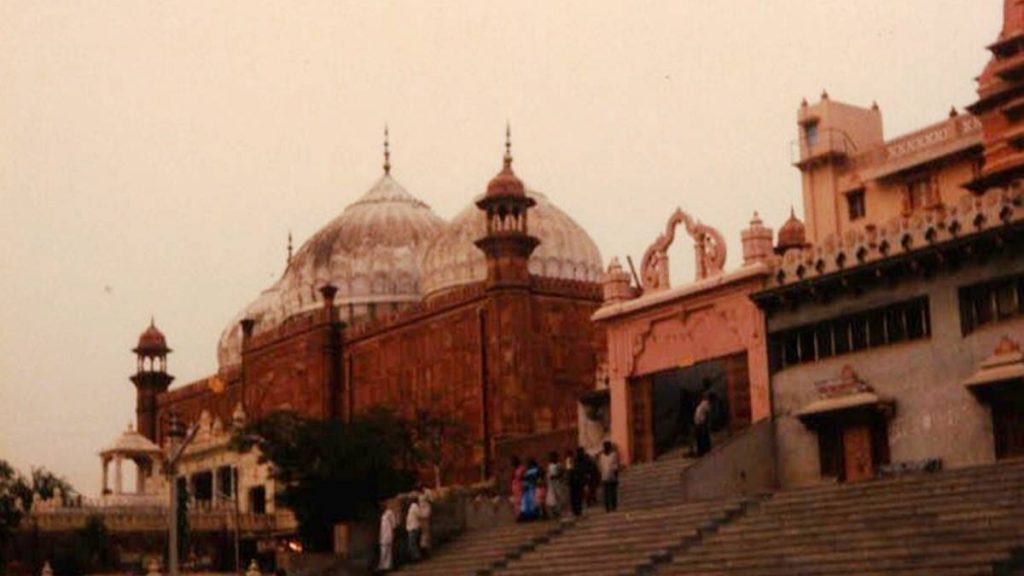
(830, 133)
(150, 379)
(507, 243)
(998, 107)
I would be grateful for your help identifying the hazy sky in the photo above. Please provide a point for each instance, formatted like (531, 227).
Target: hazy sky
(154, 155)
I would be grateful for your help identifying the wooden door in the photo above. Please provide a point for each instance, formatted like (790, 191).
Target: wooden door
(858, 461)
(641, 414)
(1008, 426)
(738, 383)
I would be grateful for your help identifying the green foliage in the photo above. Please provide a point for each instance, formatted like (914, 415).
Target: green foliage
(10, 515)
(184, 535)
(440, 441)
(330, 471)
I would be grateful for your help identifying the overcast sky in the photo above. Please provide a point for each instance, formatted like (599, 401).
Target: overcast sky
(154, 155)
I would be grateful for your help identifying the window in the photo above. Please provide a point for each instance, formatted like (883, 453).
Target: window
(883, 326)
(920, 193)
(811, 134)
(258, 500)
(989, 302)
(855, 205)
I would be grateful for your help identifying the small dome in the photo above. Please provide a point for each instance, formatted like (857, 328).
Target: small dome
(152, 342)
(506, 183)
(793, 234)
(129, 443)
(371, 253)
(565, 250)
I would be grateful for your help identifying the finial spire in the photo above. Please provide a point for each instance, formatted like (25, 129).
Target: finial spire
(290, 241)
(508, 144)
(387, 152)
(152, 321)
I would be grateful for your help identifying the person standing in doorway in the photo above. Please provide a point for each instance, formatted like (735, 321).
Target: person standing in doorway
(388, 523)
(702, 424)
(412, 527)
(608, 465)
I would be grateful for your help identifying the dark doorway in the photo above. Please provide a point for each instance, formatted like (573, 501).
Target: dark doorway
(1008, 424)
(675, 393)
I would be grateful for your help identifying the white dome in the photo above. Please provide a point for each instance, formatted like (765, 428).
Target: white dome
(371, 253)
(565, 251)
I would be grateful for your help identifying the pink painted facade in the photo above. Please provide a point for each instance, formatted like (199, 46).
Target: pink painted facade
(667, 328)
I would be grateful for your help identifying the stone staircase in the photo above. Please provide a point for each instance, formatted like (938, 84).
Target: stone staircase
(624, 542)
(964, 521)
(480, 551)
(652, 484)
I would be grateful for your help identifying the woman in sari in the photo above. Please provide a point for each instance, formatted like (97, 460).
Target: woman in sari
(528, 506)
(518, 471)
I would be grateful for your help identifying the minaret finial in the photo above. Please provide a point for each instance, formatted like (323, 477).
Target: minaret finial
(290, 244)
(387, 152)
(508, 144)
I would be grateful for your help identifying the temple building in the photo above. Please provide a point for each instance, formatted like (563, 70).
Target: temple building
(883, 330)
(484, 319)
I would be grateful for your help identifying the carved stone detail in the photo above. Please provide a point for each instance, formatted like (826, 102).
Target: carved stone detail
(708, 244)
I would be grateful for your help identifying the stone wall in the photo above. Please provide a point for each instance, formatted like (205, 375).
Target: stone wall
(935, 416)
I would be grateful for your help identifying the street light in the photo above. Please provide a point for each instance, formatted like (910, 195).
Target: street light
(179, 440)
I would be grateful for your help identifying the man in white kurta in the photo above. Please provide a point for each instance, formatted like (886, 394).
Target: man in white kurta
(412, 527)
(388, 523)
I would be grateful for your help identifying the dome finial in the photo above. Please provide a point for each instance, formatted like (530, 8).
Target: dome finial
(508, 144)
(290, 244)
(152, 321)
(387, 152)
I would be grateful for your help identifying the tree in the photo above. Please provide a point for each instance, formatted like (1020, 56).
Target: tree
(328, 471)
(440, 441)
(10, 512)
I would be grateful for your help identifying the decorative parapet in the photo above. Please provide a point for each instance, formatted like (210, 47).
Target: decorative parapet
(708, 244)
(949, 136)
(996, 208)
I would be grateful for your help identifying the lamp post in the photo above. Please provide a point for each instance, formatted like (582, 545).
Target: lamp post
(179, 439)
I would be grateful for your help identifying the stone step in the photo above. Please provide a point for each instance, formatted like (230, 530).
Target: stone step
(750, 540)
(912, 512)
(620, 541)
(840, 494)
(842, 543)
(1003, 470)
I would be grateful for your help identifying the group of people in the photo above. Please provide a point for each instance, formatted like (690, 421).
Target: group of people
(417, 530)
(564, 484)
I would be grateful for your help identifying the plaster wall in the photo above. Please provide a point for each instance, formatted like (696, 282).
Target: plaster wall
(694, 328)
(935, 416)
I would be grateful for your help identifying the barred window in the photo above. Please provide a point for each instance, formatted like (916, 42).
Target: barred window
(989, 302)
(883, 326)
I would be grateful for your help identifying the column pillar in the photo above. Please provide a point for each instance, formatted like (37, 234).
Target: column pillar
(117, 475)
(140, 476)
(106, 466)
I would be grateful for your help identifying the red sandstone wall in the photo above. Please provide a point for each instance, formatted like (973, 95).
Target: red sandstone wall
(190, 400)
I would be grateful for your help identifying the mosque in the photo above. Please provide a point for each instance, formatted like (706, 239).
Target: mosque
(880, 330)
(485, 319)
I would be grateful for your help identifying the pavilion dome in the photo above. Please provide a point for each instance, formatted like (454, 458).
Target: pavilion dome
(131, 443)
(565, 251)
(371, 252)
(152, 342)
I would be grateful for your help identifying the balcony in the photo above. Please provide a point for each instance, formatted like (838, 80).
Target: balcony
(820, 145)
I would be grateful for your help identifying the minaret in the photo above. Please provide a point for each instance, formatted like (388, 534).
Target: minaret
(507, 243)
(1000, 88)
(151, 378)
